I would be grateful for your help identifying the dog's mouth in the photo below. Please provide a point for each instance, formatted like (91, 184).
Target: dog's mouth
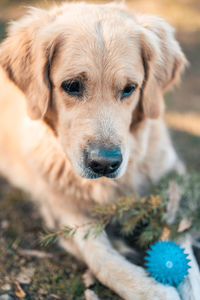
(88, 173)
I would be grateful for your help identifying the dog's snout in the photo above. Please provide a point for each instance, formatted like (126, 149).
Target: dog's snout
(104, 161)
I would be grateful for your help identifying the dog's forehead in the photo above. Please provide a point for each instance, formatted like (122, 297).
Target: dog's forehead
(100, 44)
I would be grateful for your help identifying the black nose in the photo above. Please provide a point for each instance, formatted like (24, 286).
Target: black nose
(104, 161)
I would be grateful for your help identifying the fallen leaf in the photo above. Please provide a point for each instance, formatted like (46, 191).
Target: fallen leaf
(19, 292)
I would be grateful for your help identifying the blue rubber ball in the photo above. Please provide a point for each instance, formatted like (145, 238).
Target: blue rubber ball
(167, 262)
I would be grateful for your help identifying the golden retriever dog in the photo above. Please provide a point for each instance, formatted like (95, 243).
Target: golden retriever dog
(81, 121)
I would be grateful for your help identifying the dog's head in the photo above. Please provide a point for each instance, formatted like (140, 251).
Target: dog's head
(93, 73)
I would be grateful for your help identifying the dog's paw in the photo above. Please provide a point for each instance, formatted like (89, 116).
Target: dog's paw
(161, 292)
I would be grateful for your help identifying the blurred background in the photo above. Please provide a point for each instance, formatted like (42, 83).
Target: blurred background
(56, 275)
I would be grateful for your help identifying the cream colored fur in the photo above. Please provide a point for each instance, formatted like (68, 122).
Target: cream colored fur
(41, 151)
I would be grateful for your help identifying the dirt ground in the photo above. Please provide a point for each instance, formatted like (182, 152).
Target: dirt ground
(51, 273)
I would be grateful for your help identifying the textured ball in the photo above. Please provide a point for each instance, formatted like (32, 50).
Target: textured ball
(167, 263)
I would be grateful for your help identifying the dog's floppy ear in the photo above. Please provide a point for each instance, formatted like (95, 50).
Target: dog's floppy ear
(25, 55)
(163, 62)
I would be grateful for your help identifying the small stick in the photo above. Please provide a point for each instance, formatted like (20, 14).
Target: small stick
(35, 253)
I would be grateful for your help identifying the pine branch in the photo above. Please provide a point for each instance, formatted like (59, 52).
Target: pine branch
(145, 218)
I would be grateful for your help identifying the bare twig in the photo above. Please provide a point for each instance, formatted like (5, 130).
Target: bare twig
(35, 253)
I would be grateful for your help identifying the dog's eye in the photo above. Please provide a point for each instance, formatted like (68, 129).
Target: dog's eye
(128, 90)
(73, 87)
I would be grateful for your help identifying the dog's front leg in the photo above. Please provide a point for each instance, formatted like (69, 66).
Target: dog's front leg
(108, 265)
(113, 270)
(190, 288)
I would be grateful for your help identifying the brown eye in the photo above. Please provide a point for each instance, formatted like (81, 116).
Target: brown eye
(73, 87)
(128, 90)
